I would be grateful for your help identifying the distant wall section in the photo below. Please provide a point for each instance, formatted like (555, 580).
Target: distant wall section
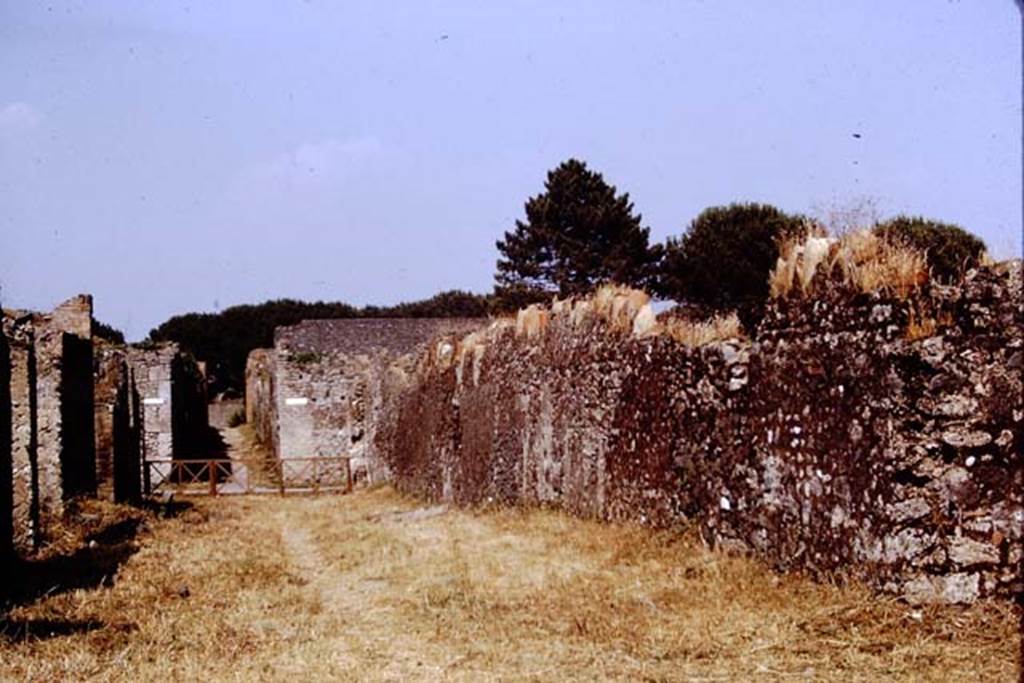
(318, 392)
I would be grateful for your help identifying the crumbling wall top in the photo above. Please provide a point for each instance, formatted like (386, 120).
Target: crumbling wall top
(365, 335)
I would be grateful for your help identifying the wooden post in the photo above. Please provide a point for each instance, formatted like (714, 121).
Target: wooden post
(213, 477)
(348, 475)
(280, 474)
(316, 476)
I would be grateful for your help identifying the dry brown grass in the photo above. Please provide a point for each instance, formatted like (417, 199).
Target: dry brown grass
(375, 587)
(925, 326)
(863, 262)
(701, 332)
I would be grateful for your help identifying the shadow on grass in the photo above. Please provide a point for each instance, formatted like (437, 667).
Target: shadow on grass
(21, 630)
(95, 563)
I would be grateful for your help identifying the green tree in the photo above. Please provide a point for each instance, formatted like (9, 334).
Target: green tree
(723, 260)
(949, 249)
(578, 233)
(101, 330)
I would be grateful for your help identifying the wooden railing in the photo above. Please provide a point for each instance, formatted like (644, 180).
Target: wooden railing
(325, 474)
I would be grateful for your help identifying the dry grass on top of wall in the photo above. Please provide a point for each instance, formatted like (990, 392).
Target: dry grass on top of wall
(376, 586)
(860, 260)
(627, 311)
(702, 332)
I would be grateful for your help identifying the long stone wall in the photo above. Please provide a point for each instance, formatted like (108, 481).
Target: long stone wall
(6, 466)
(849, 440)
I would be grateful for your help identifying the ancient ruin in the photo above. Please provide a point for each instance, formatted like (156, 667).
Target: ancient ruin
(81, 416)
(51, 403)
(319, 391)
(172, 390)
(6, 478)
(843, 441)
(118, 421)
(866, 435)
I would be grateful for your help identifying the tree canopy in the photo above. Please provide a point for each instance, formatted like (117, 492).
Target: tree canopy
(101, 330)
(578, 233)
(724, 258)
(949, 249)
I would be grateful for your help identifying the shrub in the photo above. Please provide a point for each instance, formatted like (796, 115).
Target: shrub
(103, 331)
(723, 260)
(949, 249)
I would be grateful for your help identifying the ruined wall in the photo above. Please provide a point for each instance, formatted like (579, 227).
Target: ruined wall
(118, 425)
(174, 421)
(836, 443)
(73, 321)
(51, 394)
(222, 410)
(151, 367)
(259, 396)
(173, 392)
(6, 471)
(17, 332)
(317, 392)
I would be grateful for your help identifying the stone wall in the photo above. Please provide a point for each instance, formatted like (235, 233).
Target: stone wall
(316, 393)
(73, 320)
(259, 396)
(222, 410)
(844, 441)
(118, 421)
(18, 333)
(6, 470)
(72, 420)
(51, 403)
(172, 391)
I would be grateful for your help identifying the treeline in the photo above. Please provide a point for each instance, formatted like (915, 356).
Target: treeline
(224, 339)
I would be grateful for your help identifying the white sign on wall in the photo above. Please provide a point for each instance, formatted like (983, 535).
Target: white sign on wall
(300, 401)
(153, 401)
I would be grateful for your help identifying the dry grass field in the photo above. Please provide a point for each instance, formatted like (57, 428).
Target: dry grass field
(374, 586)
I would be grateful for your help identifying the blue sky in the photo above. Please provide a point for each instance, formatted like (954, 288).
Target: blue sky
(178, 156)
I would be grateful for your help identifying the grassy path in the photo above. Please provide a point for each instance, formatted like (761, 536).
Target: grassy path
(374, 586)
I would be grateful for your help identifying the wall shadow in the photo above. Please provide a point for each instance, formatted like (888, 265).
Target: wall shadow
(94, 564)
(21, 630)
